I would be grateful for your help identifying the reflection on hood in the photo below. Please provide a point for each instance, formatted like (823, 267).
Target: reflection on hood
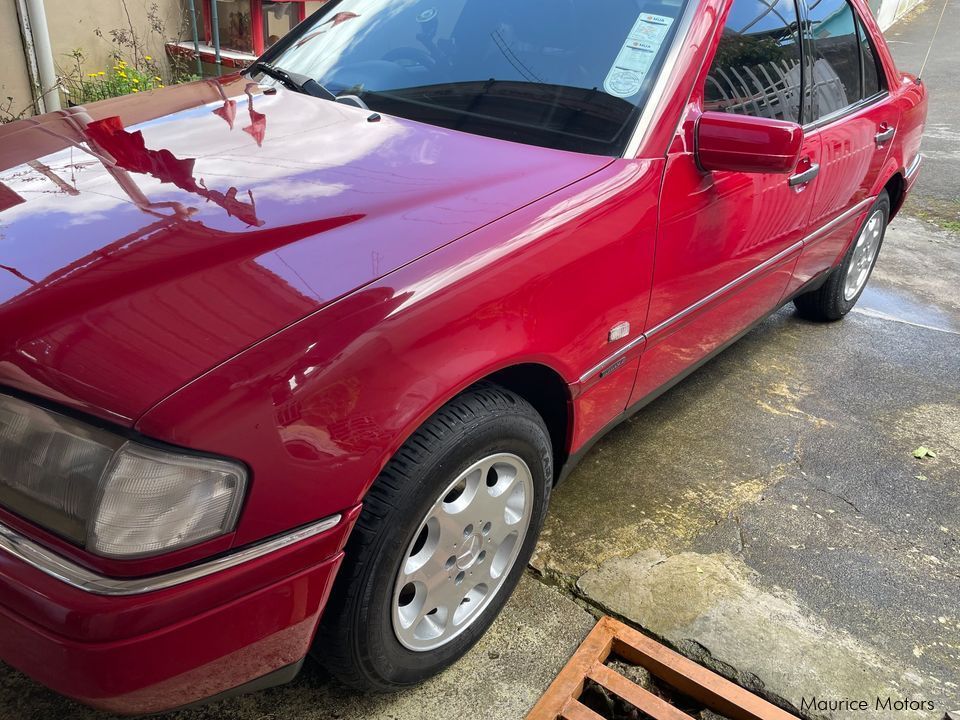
(130, 152)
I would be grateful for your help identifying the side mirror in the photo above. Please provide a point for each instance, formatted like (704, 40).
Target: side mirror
(742, 143)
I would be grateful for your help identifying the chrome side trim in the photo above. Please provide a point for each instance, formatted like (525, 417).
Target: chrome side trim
(843, 112)
(839, 220)
(81, 578)
(706, 300)
(612, 358)
(651, 334)
(660, 87)
(914, 166)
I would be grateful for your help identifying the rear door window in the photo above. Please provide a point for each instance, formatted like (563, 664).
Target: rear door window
(835, 66)
(872, 83)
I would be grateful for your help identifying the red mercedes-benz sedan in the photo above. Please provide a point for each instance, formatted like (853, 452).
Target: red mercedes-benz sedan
(291, 360)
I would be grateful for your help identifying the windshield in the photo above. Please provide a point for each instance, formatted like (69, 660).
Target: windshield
(566, 74)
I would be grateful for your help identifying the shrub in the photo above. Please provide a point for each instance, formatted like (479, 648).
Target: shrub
(123, 78)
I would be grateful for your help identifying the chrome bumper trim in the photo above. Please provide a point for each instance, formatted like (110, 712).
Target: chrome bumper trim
(46, 561)
(914, 166)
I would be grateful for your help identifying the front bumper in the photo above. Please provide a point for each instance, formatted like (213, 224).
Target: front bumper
(148, 645)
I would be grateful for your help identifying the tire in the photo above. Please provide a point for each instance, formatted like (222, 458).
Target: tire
(364, 639)
(836, 297)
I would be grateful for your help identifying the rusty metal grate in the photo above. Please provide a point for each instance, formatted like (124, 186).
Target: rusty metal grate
(612, 638)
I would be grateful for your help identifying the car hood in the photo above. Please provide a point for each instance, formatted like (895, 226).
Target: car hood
(145, 239)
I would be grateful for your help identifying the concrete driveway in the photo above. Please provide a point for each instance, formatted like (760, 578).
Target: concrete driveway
(766, 516)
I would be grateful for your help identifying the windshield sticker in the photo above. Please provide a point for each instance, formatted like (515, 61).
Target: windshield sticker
(637, 55)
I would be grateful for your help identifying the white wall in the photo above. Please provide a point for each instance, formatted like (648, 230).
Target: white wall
(889, 11)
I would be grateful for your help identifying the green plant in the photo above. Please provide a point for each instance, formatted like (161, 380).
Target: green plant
(122, 79)
(132, 69)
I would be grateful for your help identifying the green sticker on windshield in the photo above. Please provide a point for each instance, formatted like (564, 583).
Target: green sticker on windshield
(637, 55)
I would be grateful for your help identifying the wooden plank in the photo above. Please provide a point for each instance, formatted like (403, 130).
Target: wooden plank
(575, 710)
(569, 683)
(717, 693)
(642, 699)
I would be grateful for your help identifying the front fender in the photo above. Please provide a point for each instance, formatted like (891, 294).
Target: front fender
(318, 409)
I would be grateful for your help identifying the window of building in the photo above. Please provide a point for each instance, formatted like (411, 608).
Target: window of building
(757, 68)
(252, 26)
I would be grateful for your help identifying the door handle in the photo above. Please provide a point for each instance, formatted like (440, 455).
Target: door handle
(806, 176)
(884, 135)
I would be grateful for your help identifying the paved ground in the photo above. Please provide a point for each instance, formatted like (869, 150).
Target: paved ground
(937, 196)
(766, 516)
(801, 550)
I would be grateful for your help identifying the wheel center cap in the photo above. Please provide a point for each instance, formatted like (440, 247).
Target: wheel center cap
(468, 552)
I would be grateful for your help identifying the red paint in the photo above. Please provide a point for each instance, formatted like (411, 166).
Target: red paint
(743, 144)
(273, 278)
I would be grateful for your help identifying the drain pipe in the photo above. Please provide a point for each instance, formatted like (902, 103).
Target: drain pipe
(196, 37)
(33, 74)
(215, 22)
(43, 53)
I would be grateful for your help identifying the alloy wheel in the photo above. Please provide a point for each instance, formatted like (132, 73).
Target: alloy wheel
(462, 552)
(864, 254)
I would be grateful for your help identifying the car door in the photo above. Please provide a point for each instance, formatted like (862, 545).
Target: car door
(728, 241)
(855, 119)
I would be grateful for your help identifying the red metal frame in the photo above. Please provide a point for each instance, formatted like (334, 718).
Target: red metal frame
(256, 22)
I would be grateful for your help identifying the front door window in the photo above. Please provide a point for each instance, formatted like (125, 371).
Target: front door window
(757, 68)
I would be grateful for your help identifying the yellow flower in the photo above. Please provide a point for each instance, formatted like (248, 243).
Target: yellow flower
(157, 78)
(121, 73)
(135, 80)
(116, 67)
(147, 58)
(101, 73)
(91, 74)
(160, 85)
(135, 90)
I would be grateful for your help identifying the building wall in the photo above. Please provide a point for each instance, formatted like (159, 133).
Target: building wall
(73, 25)
(889, 11)
(14, 80)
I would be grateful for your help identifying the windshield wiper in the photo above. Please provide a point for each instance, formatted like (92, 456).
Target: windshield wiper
(293, 81)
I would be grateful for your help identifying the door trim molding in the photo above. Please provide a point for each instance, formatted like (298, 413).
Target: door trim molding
(650, 336)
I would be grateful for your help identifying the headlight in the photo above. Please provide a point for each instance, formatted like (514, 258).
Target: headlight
(113, 496)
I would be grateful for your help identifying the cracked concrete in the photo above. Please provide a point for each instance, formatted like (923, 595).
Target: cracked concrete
(709, 608)
(801, 550)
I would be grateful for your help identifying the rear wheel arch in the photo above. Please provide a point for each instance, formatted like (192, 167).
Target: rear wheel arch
(896, 188)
